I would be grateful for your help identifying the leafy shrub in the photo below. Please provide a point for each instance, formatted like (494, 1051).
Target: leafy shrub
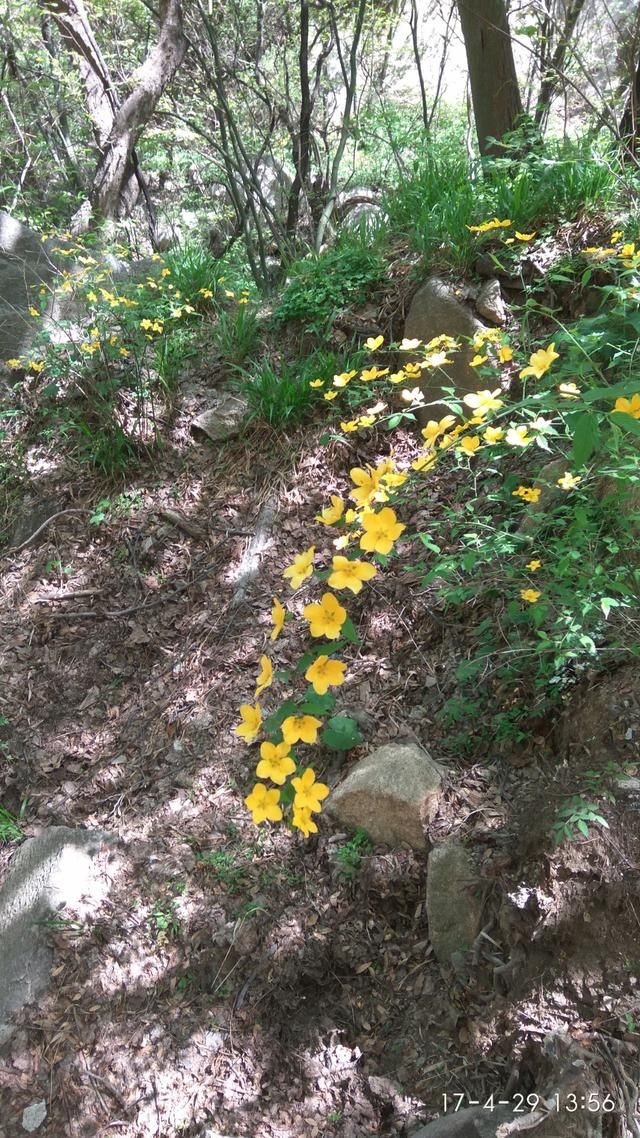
(322, 285)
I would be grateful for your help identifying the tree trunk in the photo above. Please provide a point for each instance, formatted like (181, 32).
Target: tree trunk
(552, 69)
(494, 86)
(629, 128)
(118, 127)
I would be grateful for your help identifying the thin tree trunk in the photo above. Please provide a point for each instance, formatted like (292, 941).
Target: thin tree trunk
(351, 78)
(552, 70)
(494, 85)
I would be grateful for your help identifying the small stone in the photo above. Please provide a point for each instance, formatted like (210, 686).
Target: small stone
(33, 1116)
(453, 909)
(390, 793)
(490, 304)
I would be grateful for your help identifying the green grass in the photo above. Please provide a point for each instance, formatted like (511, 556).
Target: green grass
(320, 286)
(445, 192)
(193, 267)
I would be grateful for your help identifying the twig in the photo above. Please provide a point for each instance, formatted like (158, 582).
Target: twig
(17, 548)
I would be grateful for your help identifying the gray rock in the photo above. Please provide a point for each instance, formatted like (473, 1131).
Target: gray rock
(473, 1122)
(34, 1115)
(222, 420)
(391, 793)
(453, 909)
(489, 302)
(436, 310)
(25, 265)
(48, 873)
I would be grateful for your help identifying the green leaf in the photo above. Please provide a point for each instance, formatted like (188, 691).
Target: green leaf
(625, 388)
(585, 430)
(348, 632)
(429, 542)
(274, 721)
(316, 704)
(394, 420)
(341, 733)
(627, 422)
(582, 826)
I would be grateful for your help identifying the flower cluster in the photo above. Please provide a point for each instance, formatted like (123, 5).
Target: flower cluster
(375, 528)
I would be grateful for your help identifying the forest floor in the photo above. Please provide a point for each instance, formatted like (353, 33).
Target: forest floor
(244, 978)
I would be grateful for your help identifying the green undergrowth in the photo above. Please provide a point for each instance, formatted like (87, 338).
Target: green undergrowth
(96, 386)
(534, 562)
(444, 192)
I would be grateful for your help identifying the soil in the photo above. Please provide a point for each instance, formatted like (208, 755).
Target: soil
(242, 977)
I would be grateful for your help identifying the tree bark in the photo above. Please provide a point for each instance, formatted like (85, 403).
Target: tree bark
(629, 128)
(552, 69)
(117, 127)
(497, 105)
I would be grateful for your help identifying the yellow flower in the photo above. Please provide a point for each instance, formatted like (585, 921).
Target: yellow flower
(263, 804)
(206, 293)
(243, 300)
(433, 429)
(373, 373)
(485, 226)
(265, 677)
(436, 359)
(275, 762)
(343, 378)
(367, 485)
(300, 729)
(629, 406)
(146, 323)
(303, 821)
(326, 618)
(477, 360)
(123, 352)
(397, 377)
(483, 401)
(251, 722)
(533, 565)
(412, 371)
(540, 362)
(365, 421)
(33, 311)
(37, 366)
(229, 294)
(309, 793)
(568, 481)
(627, 250)
(325, 673)
(329, 395)
(301, 568)
(530, 595)
(569, 390)
(13, 364)
(372, 344)
(527, 493)
(524, 236)
(92, 296)
(505, 355)
(165, 273)
(277, 618)
(409, 345)
(349, 426)
(332, 514)
(615, 236)
(381, 530)
(425, 461)
(518, 437)
(350, 574)
(470, 445)
(316, 383)
(493, 435)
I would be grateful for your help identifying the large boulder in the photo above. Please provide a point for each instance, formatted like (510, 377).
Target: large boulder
(25, 265)
(391, 794)
(453, 906)
(435, 311)
(50, 872)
